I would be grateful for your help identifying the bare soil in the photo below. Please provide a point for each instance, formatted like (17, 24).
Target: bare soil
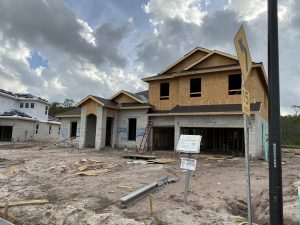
(217, 188)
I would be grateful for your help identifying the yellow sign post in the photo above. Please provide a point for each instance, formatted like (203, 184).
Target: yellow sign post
(243, 53)
(245, 101)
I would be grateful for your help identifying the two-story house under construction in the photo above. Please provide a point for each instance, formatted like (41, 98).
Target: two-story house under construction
(198, 94)
(24, 117)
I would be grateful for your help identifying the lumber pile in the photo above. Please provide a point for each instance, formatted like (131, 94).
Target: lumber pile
(91, 167)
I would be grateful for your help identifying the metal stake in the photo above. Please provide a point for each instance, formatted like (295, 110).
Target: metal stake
(247, 166)
(151, 204)
(187, 182)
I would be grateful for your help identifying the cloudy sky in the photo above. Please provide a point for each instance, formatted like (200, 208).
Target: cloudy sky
(69, 49)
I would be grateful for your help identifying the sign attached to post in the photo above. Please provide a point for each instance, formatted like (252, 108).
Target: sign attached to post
(188, 164)
(189, 143)
(245, 101)
(243, 53)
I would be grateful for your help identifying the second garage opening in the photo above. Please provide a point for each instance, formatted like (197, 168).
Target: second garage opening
(219, 140)
(163, 138)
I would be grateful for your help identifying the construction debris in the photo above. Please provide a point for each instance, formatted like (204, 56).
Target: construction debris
(135, 162)
(161, 161)
(91, 167)
(93, 172)
(25, 202)
(126, 187)
(144, 157)
(12, 171)
(82, 168)
(146, 190)
(4, 163)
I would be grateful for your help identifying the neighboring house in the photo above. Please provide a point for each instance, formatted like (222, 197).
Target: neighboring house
(199, 94)
(25, 117)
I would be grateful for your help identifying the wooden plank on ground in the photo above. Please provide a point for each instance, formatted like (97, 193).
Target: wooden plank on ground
(145, 157)
(82, 168)
(161, 161)
(92, 172)
(25, 202)
(124, 186)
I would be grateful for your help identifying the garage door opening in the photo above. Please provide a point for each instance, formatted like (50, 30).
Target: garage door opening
(6, 133)
(163, 138)
(219, 140)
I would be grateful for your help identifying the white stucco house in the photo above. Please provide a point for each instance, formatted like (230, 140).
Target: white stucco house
(24, 117)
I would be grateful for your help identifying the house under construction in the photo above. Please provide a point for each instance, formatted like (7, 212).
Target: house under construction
(198, 94)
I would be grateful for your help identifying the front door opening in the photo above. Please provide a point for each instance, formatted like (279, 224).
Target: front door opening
(73, 129)
(6, 133)
(108, 134)
(163, 138)
(90, 134)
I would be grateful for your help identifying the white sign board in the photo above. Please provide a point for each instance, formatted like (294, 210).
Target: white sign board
(188, 164)
(189, 143)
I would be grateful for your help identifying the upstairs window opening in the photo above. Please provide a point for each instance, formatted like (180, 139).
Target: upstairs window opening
(234, 84)
(195, 87)
(164, 91)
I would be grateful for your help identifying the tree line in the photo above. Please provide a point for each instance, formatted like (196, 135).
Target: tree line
(290, 127)
(57, 107)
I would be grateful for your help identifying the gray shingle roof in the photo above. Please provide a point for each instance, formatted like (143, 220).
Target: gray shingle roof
(209, 108)
(20, 95)
(105, 101)
(143, 93)
(133, 104)
(15, 112)
(53, 119)
(73, 112)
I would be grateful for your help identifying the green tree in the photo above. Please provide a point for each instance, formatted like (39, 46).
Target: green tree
(68, 102)
(65, 106)
(296, 109)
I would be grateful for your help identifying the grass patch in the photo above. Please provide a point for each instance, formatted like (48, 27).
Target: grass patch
(240, 220)
(159, 221)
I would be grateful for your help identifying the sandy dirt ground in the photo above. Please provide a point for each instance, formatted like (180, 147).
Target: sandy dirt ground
(217, 188)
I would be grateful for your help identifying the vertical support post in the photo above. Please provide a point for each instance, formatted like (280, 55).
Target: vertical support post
(151, 204)
(247, 165)
(6, 210)
(299, 204)
(187, 182)
(275, 167)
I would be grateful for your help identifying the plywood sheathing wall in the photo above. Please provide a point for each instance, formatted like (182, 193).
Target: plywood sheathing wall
(154, 94)
(91, 107)
(122, 98)
(259, 93)
(186, 62)
(215, 60)
(111, 112)
(214, 90)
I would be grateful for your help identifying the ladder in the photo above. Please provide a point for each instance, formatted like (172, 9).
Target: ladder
(143, 144)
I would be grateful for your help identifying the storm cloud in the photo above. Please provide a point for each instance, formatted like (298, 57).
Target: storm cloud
(98, 50)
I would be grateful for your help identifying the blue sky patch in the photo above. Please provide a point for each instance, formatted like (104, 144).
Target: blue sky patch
(36, 60)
